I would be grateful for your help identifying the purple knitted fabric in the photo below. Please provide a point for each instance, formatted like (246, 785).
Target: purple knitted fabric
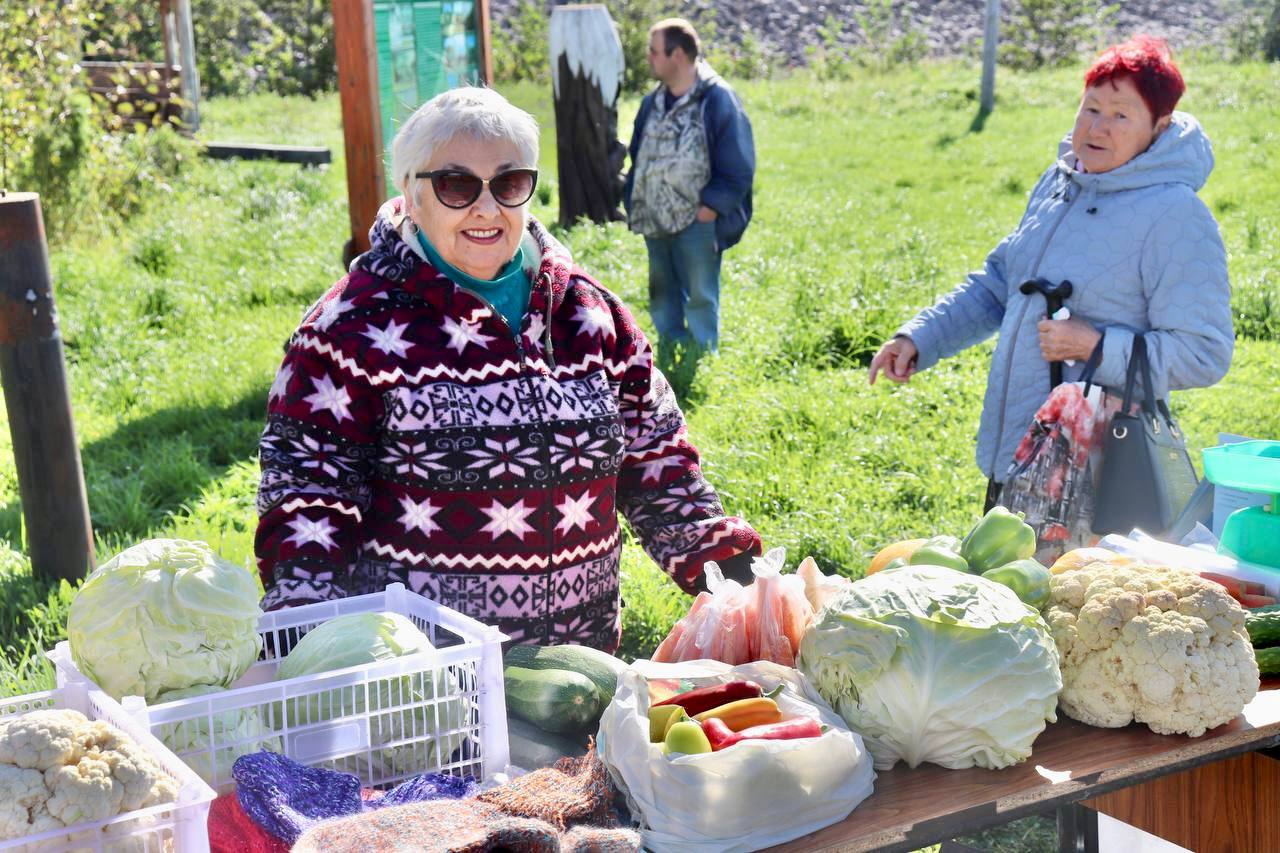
(428, 786)
(287, 798)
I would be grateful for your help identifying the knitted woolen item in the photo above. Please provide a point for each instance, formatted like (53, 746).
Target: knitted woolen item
(233, 831)
(287, 798)
(446, 826)
(420, 789)
(570, 791)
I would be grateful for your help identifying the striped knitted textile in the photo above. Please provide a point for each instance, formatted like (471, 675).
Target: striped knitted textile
(413, 436)
(561, 809)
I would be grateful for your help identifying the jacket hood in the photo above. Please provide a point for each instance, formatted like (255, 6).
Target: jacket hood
(395, 256)
(1181, 155)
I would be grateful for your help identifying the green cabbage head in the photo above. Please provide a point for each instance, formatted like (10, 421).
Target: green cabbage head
(162, 615)
(434, 715)
(237, 732)
(931, 664)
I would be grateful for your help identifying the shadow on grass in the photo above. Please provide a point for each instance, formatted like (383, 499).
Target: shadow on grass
(149, 467)
(979, 120)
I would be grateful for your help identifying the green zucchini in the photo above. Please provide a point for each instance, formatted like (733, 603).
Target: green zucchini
(601, 667)
(554, 700)
(1263, 626)
(1268, 660)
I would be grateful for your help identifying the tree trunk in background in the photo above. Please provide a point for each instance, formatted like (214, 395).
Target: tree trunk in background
(586, 70)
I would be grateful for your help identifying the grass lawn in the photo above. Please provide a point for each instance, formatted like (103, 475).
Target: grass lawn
(873, 197)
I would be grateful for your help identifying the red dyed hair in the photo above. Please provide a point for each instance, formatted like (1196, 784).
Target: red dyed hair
(1147, 61)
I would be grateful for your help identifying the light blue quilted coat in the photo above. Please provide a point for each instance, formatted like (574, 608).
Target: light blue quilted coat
(1142, 253)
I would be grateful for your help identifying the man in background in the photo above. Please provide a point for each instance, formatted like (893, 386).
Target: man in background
(689, 189)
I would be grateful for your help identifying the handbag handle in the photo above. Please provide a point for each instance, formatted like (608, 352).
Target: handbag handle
(1091, 366)
(1138, 361)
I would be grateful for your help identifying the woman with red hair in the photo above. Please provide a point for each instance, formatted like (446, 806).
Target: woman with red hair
(1116, 215)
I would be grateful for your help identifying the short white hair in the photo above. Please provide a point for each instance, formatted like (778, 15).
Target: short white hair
(468, 111)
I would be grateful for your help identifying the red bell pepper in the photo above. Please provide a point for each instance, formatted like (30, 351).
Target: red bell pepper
(719, 733)
(702, 699)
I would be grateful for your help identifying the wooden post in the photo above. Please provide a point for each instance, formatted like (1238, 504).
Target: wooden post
(34, 379)
(167, 34)
(586, 71)
(990, 41)
(484, 41)
(361, 123)
(187, 59)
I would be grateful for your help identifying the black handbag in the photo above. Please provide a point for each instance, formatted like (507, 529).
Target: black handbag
(1147, 476)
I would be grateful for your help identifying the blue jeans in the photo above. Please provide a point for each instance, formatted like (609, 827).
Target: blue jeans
(684, 285)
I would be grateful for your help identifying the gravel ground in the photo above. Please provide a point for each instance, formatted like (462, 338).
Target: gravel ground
(952, 27)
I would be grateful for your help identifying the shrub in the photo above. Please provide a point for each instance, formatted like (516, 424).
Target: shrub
(40, 91)
(889, 39)
(1047, 33)
(521, 44)
(242, 46)
(1271, 38)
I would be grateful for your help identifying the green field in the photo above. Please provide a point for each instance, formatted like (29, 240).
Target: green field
(873, 197)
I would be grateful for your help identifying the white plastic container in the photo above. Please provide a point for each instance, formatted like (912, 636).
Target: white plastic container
(436, 711)
(179, 826)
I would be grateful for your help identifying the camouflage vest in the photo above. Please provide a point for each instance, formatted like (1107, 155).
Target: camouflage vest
(672, 167)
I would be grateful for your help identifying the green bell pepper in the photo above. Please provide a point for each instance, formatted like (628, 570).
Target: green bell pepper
(940, 551)
(999, 538)
(1027, 578)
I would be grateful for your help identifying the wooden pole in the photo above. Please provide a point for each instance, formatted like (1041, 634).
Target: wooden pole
(990, 41)
(187, 58)
(33, 376)
(361, 126)
(167, 34)
(586, 72)
(484, 41)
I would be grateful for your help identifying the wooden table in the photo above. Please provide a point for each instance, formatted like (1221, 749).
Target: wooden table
(1072, 763)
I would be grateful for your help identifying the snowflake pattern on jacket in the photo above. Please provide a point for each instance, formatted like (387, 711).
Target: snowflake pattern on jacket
(411, 437)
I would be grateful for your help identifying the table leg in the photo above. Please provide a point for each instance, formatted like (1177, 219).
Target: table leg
(1077, 829)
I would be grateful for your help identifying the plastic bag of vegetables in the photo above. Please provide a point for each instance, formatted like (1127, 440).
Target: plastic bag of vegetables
(752, 795)
(162, 615)
(423, 716)
(931, 664)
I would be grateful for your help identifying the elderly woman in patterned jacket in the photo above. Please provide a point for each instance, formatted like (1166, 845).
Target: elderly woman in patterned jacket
(1118, 216)
(467, 411)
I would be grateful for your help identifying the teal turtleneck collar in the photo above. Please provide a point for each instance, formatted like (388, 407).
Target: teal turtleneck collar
(508, 293)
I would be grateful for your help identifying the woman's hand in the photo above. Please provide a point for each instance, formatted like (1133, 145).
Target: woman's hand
(706, 214)
(1066, 340)
(897, 358)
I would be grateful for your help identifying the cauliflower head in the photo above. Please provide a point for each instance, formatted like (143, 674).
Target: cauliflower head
(57, 768)
(1149, 644)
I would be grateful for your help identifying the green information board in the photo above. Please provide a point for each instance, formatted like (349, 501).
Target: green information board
(424, 48)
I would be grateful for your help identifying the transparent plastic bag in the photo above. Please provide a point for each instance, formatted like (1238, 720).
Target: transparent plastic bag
(782, 611)
(752, 795)
(716, 626)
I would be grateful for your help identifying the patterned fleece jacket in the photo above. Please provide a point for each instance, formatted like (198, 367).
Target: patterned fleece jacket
(411, 437)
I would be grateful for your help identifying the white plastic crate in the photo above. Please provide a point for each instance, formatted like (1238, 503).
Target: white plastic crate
(436, 711)
(177, 827)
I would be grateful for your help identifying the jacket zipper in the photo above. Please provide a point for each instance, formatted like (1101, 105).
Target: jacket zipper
(1008, 362)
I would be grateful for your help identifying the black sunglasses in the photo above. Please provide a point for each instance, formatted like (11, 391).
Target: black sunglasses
(458, 189)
